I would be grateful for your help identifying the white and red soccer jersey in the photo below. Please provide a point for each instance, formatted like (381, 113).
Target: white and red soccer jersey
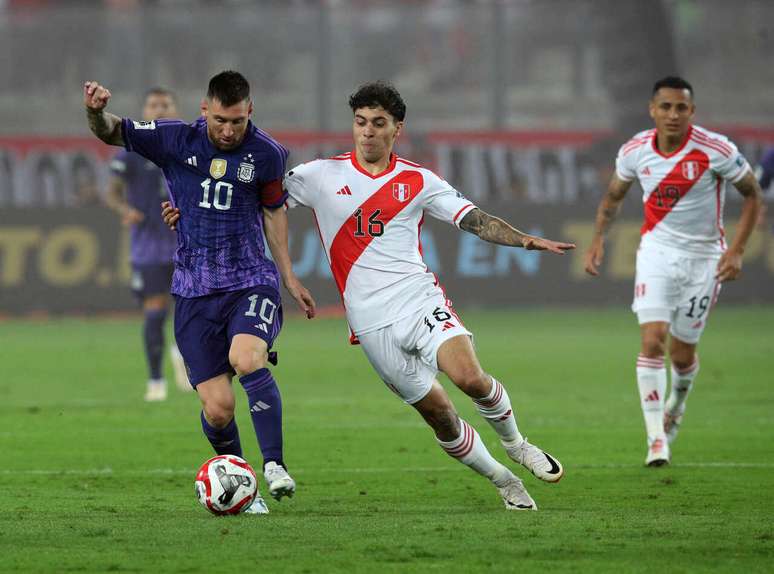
(683, 192)
(369, 226)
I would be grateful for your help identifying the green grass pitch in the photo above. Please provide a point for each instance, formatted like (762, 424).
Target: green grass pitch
(95, 480)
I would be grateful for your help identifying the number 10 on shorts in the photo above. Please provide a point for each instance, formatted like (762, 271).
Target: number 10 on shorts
(265, 313)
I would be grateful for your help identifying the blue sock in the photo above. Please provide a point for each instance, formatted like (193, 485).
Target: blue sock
(153, 335)
(225, 440)
(266, 412)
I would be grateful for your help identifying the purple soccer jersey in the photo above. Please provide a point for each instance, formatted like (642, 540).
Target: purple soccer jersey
(767, 168)
(220, 241)
(151, 242)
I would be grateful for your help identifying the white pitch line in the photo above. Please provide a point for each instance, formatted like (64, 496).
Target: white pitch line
(339, 470)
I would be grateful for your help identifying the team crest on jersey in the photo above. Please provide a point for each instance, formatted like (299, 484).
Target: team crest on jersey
(401, 191)
(245, 172)
(218, 168)
(690, 170)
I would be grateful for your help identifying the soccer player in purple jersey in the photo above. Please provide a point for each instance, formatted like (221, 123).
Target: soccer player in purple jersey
(134, 192)
(225, 174)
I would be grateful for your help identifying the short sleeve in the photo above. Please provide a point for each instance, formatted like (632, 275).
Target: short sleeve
(731, 165)
(444, 202)
(625, 163)
(302, 185)
(119, 165)
(153, 140)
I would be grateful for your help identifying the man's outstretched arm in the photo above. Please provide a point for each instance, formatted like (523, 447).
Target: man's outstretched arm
(104, 125)
(495, 230)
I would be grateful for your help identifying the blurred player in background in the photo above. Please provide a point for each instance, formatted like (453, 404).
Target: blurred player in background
(683, 257)
(135, 190)
(226, 176)
(369, 205)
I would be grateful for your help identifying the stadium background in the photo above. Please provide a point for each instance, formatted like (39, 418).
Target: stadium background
(519, 104)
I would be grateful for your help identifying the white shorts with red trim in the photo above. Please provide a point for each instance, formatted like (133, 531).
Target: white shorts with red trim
(675, 288)
(404, 354)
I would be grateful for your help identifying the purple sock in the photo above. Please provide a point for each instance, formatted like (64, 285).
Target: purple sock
(153, 337)
(266, 412)
(225, 440)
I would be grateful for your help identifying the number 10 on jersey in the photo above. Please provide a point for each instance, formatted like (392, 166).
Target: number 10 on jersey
(218, 202)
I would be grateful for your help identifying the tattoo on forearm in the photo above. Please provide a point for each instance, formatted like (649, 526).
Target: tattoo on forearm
(490, 228)
(105, 126)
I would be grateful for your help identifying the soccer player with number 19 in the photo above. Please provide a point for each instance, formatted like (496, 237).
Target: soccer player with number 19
(225, 175)
(683, 258)
(370, 205)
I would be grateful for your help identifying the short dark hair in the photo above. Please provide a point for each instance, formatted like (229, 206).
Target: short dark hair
(675, 82)
(229, 88)
(159, 91)
(379, 93)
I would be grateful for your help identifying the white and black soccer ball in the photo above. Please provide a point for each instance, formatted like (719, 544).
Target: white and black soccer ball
(226, 484)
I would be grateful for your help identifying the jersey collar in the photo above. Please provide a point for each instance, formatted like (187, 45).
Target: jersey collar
(654, 142)
(361, 169)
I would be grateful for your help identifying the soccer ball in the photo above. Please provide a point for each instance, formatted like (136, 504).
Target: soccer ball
(226, 484)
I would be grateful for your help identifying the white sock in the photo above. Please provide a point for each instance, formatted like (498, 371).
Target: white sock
(652, 382)
(682, 382)
(496, 409)
(470, 450)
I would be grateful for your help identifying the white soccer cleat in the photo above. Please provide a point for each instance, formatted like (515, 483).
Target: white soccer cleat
(178, 366)
(658, 453)
(258, 506)
(279, 481)
(540, 463)
(515, 496)
(672, 422)
(156, 391)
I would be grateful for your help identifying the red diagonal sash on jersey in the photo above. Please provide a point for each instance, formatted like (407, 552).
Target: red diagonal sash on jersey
(346, 247)
(673, 187)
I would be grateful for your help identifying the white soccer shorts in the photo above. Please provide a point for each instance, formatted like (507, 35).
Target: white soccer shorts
(677, 289)
(404, 354)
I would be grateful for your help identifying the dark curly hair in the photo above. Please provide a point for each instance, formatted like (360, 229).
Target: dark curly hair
(379, 93)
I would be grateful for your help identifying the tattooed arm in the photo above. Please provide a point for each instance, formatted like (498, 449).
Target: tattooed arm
(606, 213)
(730, 264)
(104, 125)
(495, 230)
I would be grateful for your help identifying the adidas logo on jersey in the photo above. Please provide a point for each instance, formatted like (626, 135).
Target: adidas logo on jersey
(191, 160)
(646, 171)
(448, 325)
(652, 397)
(344, 191)
(262, 327)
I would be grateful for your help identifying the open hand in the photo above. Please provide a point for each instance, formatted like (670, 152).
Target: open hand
(532, 243)
(302, 296)
(593, 257)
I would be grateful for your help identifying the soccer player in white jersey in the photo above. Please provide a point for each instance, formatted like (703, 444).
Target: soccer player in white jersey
(683, 257)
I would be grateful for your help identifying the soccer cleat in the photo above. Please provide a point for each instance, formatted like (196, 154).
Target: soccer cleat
(515, 496)
(279, 481)
(540, 463)
(658, 453)
(258, 506)
(156, 391)
(672, 422)
(178, 366)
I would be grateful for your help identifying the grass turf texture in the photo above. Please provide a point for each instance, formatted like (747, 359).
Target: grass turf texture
(95, 480)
